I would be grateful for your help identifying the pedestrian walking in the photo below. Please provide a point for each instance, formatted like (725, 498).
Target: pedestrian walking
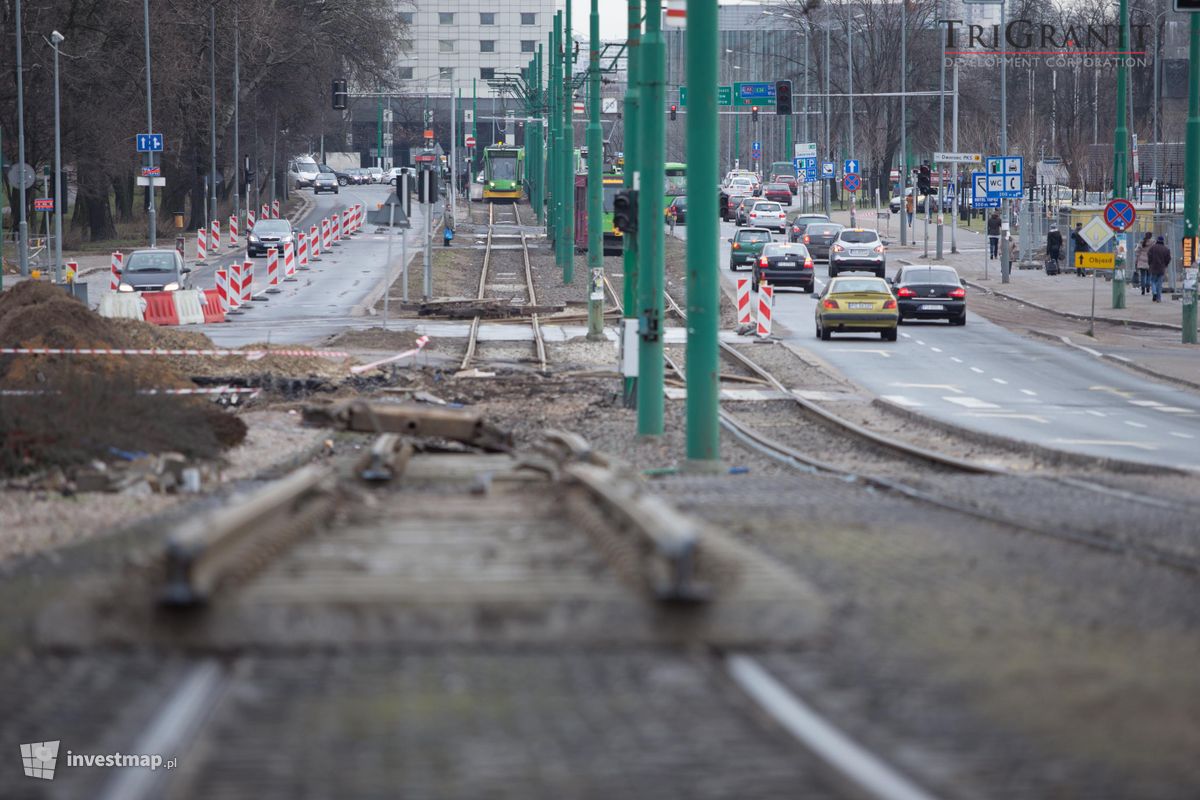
(1141, 262)
(1159, 258)
(909, 205)
(1080, 246)
(993, 232)
(1054, 243)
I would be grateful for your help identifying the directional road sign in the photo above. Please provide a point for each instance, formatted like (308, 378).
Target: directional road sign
(754, 94)
(724, 96)
(1120, 214)
(806, 168)
(850, 166)
(980, 198)
(756, 146)
(1095, 260)
(1005, 177)
(1096, 233)
(852, 182)
(957, 158)
(827, 169)
(805, 150)
(149, 142)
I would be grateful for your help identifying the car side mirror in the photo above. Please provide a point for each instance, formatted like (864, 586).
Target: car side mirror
(186, 269)
(729, 240)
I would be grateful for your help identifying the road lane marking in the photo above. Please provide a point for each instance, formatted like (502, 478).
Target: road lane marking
(946, 387)
(1029, 392)
(1106, 443)
(970, 402)
(906, 335)
(901, 400)
(1179, 435)
(977, 369)
(1133, 424)
(936, 349)
(1095, 413)
(956, 360)
(920, 342)
(883, 353)
(1000, 381)
(1174, 410)
(1111, 390)
(1008, 415)
(1145, 403)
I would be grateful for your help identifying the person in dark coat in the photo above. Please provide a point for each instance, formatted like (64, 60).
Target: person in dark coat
(1080, 246)
(1054, 243)
(993, 232)
(1159, 260)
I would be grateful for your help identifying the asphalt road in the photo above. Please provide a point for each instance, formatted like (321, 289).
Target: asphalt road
(985, 377)
(321, 302)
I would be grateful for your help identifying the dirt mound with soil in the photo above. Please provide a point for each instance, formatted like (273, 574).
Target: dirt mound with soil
(83, 407)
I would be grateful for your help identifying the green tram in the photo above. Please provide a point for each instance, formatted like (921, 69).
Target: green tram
(612, 183)
(675, 183)
(503, 173)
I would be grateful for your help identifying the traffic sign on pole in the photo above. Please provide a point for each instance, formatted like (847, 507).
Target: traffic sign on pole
(957, 158)
(1120, 214)
(149, 142)
(850, 167)
(826, 169)
(980, 197)
(754, 94)
(851, 182)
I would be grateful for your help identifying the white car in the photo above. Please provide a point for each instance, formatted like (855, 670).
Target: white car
(767, 214)
(303, 171)
(396, 172)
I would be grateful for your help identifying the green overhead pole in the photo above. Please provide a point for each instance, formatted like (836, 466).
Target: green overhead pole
(703, 290)
(595, 188)
(474, 116)
(1191, 180)
(554, 163)
(650, 180)
(567, 223)
(3, 202)
(632, 131)
(536, 128)
(1121, 148)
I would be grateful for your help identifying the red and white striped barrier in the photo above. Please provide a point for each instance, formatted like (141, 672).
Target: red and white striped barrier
(362, 211)
(744, 309)
(347, 222)
(326, 232)
(336, 224)
(233, 230)
(227, 306)
(289, 261)
(201, 243)
(247, 282)
(314, 242)
(766, 299)
(114, 268)
(274, 209)
(214, 237)
(272, 270)
(249, 219)
(302, 250)
(234, 281)
(264, 212)
(420, 344)
(159, 351)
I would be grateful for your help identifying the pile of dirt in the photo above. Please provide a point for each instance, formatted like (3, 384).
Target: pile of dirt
(376, 339)
(64, 410)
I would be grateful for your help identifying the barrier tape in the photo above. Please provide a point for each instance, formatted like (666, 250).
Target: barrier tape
(253, 355)
(421, 342)
(208, 390)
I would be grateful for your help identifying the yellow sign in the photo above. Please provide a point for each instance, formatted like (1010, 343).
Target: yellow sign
(1095, 261)
(1189, 250)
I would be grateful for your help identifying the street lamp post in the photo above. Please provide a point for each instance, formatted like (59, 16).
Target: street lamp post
(56, 39)
(904, 125)
(1120, 149)
(237, 180)
(151, 213)
(850, 90)
(212, 88)
(23, 225)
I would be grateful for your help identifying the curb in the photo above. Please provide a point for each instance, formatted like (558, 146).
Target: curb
(1130, 323)
(1119, 360)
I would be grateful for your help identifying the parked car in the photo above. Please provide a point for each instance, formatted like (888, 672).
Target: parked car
(857, 249)
(818, 237)
(800, 222)
(746, 246)
(154, 270)
(930, 291)
(678, 210)
(894, 203)
(302, 171)
(376, 174)
(326, 182)
(764, 214)
(857, 305)
(779, 192)
(397, 171)
(339, 175)
(784, 264)
(268, 233)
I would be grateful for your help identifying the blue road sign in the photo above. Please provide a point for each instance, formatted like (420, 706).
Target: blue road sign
(851, 166)
(149, 142)
(826, 169)
(806, 168)
(980, 196)
(1119, 215)
(1006, 177)
(756, 146)
(852, 182)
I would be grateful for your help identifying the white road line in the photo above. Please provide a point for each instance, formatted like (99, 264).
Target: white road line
(1174, 410)
(1145, 403)
(946, 387)
(920, 342)
(1094, 412)
(1000, 381)
(1179, 435)
(956, 360)
(1106, 443)
(872, 776)
(1007, 415)
(901, 400)
(977, 369)
(906, 335)
(970, 402)
(936, 349)
(1029, 392)
(883, 353)
(1133, 424)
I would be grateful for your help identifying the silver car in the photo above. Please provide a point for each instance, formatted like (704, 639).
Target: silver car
(154, 270)
(325, 182)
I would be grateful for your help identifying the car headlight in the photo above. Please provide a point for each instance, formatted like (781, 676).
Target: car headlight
(173, 286)
(124, 287)
(286, 240)
(253, 239)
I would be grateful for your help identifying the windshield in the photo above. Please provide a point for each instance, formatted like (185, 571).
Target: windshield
(768, 208)
(150, 262)
(306, 165)
(272, 227)
(783, 249)
(860, 237)
(754, 236)
(930, 276)
(504, 169)
(858, 286)
(680, 202)
(676, 184)
(824, 230)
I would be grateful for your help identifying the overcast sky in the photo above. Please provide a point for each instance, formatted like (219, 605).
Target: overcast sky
(613, 14)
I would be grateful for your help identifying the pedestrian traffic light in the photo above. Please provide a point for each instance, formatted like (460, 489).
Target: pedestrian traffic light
(923, 179)
(673, 110)
(625, 207)
(754, 113)
(783, 98)
(340, 95)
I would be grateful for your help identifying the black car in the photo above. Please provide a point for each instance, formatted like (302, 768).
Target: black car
(930, 292)
(729, 210)
(678, 209)
(325, 182)
(818, 237)
(784, 264)
(801, 222)
(268, 233)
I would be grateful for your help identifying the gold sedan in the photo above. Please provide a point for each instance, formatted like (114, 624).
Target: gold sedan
(857, 305)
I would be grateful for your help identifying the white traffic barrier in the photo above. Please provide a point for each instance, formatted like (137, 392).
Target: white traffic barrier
(234, 282)
(766, 299)
(189, 305)
(336, 224)
(264, 212)
(201, 243)
(233, 230)
(302, 250)
(744, 309)
(289, 261)
(272, 270)
(114, 269)
(122, 305)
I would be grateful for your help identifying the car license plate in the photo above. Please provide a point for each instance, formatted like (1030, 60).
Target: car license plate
(932, 308)
(787, 263)
(858, 252)
(862, 305)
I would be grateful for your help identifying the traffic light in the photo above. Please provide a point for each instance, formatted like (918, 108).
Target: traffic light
(923, 179)
(340, 95)
(754, 113)
(673, 110)
(783, 98)
(625, 209)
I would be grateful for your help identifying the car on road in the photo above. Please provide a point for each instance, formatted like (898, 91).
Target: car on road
(376, 174)
(801, 222)
(784, 264)
(741, 214)
(729, 210)
(765, 214)
(818, 237)
(789, 180)
(857, 305)
(930, 291)
(398, 171)
(857, 249)
(358, 176)
(154, 270)
(268, 233)
(743, 186)
(779, 192)
(678, 210)
(302, 171)
(325, 182)
(746, 246)
(339, 175)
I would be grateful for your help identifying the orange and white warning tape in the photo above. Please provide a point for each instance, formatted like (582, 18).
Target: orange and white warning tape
(421, 342)
(207, 390)
(102, 351)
